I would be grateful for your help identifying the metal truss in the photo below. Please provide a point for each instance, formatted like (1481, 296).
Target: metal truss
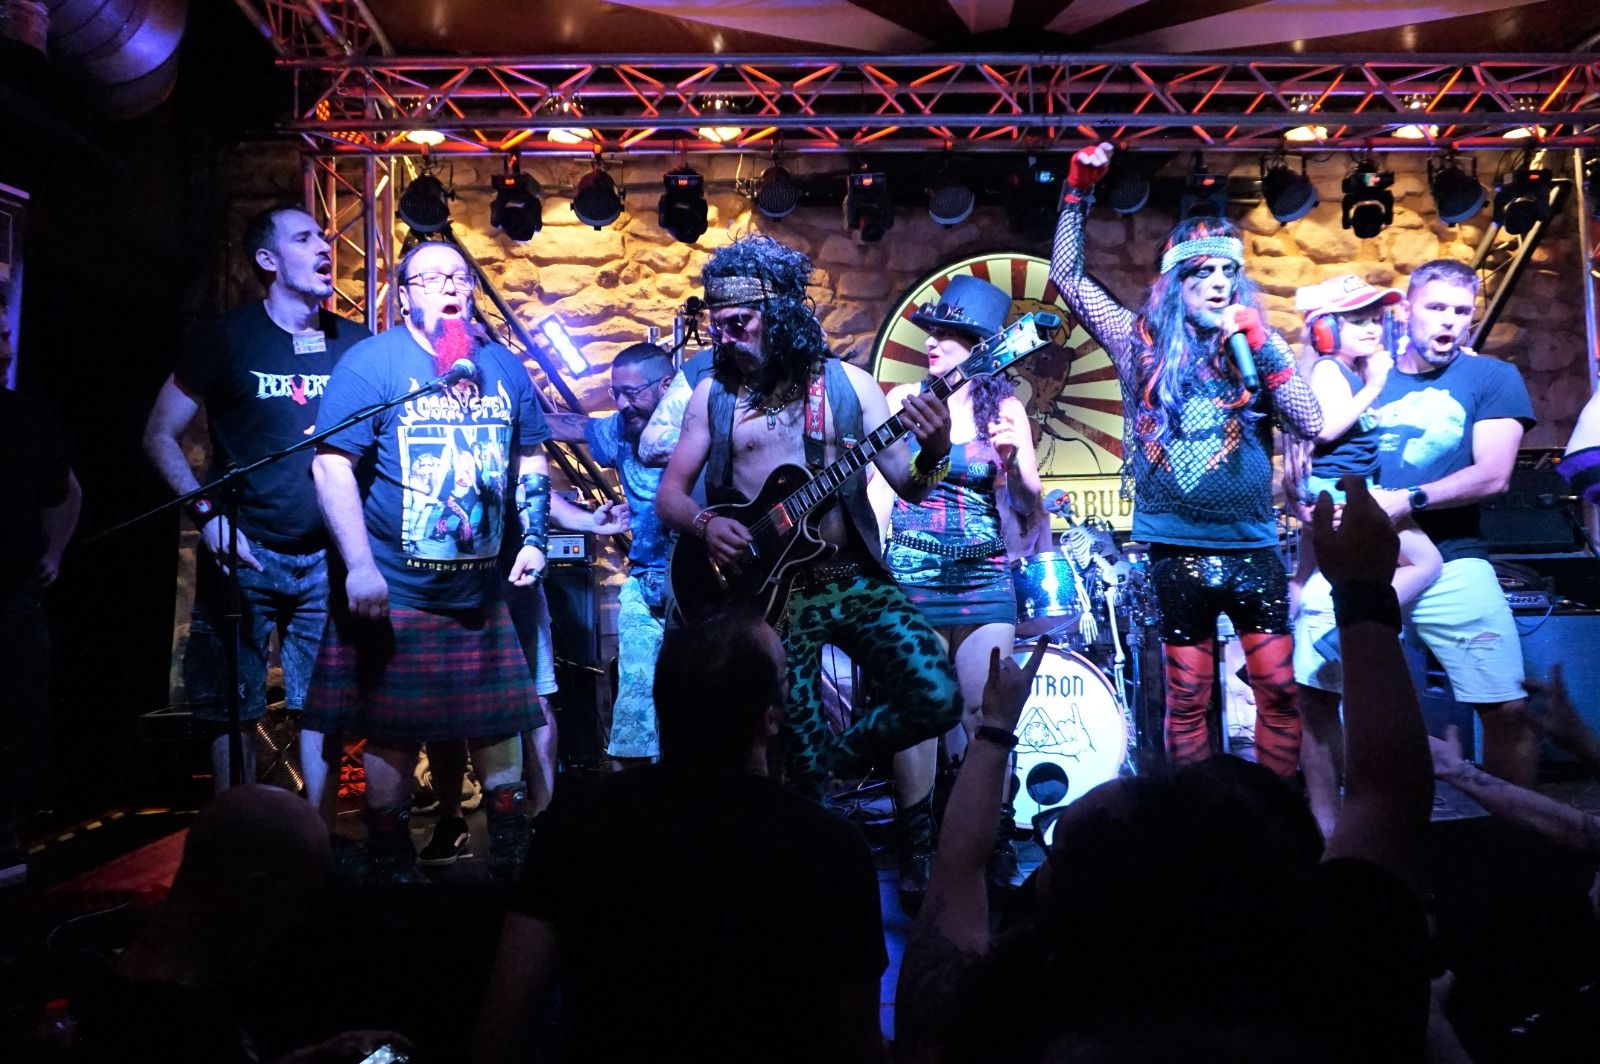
(317, 27)
(353, 197)
(353, 104)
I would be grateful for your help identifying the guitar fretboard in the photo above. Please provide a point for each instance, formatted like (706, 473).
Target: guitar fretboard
(817, 490)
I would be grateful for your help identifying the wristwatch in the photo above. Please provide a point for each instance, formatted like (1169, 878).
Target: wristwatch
(1418, 497)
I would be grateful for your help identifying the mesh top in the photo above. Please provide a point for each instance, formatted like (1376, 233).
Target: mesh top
(1210, 483)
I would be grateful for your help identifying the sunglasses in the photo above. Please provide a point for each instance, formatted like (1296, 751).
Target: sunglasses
(633, 393)
(735, 325)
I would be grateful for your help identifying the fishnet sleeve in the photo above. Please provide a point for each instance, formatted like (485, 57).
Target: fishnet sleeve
(1299, 412)
(1107, 320)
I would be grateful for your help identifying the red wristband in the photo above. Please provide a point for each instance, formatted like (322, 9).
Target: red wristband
(701, 520)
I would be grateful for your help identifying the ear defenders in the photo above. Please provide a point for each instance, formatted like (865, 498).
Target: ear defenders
(1325, 334)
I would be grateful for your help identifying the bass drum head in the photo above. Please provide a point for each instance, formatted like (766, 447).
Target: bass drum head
(1072, 735)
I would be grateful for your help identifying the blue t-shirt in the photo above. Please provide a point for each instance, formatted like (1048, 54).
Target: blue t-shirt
(639, 483)
(435, 471)
(1425, 433)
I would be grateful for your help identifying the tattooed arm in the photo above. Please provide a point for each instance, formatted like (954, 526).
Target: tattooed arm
(1518, 806)
(660, 436)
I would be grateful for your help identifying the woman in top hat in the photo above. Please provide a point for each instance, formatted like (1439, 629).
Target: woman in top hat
(948, 552)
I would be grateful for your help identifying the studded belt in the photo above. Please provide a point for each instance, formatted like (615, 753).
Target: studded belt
(966, 552)
(826, 573)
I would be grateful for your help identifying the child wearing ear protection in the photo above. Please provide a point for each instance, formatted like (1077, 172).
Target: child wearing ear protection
(1349, 366)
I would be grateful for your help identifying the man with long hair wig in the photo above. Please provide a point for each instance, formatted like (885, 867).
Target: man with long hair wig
(1198, 459)
(776, 396)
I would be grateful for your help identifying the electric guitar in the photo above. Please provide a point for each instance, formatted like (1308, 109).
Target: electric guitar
(779, 519)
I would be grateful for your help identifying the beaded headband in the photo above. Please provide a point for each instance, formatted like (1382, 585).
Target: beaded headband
(1209, 247)
(736, 291)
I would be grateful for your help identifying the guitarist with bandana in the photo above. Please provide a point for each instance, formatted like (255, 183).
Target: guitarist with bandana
(777, 397)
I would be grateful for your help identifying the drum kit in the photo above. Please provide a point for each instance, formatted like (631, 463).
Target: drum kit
(1093, 601)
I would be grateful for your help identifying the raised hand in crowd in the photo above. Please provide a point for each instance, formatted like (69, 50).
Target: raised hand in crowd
(953, 924)
(1389, 783)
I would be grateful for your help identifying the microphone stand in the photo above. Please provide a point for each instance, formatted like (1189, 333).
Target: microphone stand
(226, 487)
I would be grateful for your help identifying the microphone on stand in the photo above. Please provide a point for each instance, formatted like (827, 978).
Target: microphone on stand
(460, 371)
(1239, 348)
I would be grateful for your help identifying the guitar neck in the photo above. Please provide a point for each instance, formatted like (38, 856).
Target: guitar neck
(821, 487)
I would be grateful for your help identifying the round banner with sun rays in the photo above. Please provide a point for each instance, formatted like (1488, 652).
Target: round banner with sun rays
(1069, 388)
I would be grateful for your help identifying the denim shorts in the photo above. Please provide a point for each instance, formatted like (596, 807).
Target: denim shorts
(288, 596)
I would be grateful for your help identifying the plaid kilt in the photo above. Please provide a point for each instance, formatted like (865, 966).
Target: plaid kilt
(421, 676)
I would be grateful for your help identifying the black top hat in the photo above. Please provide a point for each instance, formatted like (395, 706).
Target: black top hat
(969, 305)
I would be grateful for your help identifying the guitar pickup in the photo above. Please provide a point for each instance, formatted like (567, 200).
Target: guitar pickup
(781, 521)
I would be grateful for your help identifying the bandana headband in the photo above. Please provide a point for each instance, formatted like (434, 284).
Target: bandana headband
(1209, 247)
(736, 291)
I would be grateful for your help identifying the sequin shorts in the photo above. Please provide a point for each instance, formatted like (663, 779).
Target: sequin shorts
(1195, 584)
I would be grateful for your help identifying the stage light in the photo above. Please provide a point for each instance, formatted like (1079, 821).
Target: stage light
(597, 201)
(1521, 199)
(867, 209)
(561, 108)
(1204, 195)
(682, 207)
(556, 336)
(714, 109)
(1288, 195)
(1033, 199)
(425, 204)
(1306, 134)
(1368, 203)
(516, 210)
(950, 201)
(1456, 193)
(427, 138)
(1126, 188)
(776, 194)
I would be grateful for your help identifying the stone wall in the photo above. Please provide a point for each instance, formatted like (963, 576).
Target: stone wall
(608, 286)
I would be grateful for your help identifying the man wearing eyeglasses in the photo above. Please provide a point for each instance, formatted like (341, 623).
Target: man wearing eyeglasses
(778, 397)
(638, 375)
(420, 646)
(259, 373)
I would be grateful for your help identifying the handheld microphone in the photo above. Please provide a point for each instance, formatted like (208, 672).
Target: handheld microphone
(462, 369)
(1239, 348)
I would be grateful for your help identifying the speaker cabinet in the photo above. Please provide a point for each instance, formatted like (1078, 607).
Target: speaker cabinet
(1568, 639)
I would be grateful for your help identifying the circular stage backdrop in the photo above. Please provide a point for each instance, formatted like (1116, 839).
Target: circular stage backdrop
(1070, 388)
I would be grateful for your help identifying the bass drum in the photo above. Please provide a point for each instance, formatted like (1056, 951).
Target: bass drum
(1072, 736)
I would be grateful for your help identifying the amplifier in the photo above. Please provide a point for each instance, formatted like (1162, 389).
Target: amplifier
(569, 549)
(1530, 601)
(1537, 513)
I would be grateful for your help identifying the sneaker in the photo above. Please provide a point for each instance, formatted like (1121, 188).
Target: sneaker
(448, 845)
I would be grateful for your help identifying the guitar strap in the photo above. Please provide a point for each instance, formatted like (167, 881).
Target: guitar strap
(816, 422)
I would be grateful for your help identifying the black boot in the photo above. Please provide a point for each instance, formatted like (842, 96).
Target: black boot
(508, 829)
(914, 834)
(389, 848)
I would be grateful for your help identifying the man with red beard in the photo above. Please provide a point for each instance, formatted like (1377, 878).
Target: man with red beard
(420, 647)
(258, 371)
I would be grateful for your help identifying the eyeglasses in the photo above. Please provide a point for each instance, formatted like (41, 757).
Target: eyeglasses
(735, 325)
(632, 394)
(434, 282)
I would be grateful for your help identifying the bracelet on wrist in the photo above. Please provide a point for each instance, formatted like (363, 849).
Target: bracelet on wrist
(928, 477)
(998, 736)
(1355, 601)
(702, 520)
(202, 508)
